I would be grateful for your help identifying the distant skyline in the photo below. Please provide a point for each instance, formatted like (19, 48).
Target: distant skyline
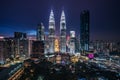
(24, 15)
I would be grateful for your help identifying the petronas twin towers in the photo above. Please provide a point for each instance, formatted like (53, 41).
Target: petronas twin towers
(52, 32)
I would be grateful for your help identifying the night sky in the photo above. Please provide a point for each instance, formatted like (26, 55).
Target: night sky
(24, 15)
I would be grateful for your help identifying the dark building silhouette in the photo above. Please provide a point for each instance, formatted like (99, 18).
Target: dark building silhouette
(21, 44)
(20, 35)
(40, 32)
(77, 45)
(84, 30)
(8, 48)
(38, 47)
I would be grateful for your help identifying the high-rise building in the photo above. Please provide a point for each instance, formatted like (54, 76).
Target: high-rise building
(46, 41)
(30, 40)
(21, 44)
(84, 30)
(72, 42)
(2, 59)
(77, 45)
(63, 33)
(40, 32)
(38, 47)
(68, 44)
(51, 32)
(9, 48)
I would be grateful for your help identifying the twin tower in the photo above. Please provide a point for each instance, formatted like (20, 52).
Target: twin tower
(52, 36)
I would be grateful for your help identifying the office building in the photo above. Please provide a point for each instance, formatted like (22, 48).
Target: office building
(84, 30)
(2, 60)
(40, 32)
(72, 42)
(8, 48)
(21, 44)
(38, 47)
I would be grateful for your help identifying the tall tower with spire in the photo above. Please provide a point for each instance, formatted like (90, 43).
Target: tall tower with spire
(51, 32)
(62, 33)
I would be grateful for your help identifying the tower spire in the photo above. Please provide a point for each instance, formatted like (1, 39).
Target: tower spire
(62, 20)
(51, 20)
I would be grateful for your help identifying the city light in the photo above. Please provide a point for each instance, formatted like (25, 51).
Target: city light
(1, 37)
(57, 45)
(40, 42)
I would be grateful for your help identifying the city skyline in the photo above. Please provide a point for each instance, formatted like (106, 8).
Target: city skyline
(23, 16)
(59, 40)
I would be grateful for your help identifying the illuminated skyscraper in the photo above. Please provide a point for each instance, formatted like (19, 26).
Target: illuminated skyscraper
(72, 42)
(51, 32)
(63, 33)
(84, 30)
(40, 32)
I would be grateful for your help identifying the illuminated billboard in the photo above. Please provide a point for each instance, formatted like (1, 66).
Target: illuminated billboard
(90, 55)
